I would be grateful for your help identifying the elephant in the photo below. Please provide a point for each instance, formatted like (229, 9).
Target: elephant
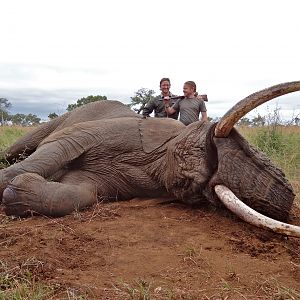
(105, 151)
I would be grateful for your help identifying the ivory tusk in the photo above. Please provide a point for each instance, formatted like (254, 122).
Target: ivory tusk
(227, 122)
(251, 216)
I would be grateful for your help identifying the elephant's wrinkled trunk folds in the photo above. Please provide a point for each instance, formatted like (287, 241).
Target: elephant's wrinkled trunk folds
(223, 129)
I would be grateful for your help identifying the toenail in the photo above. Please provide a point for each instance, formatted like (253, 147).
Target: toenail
(8, 195)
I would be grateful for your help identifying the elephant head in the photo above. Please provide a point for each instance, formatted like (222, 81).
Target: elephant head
(238, 171)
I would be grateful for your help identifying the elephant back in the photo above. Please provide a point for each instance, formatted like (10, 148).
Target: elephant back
(99, 110)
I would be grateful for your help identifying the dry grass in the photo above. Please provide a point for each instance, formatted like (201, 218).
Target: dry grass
(21, 281)
(141, 289)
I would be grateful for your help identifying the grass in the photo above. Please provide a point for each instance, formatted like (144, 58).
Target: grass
(20, 281)
(141, 289)
(24, 281)
(282, 145)
(9, 134)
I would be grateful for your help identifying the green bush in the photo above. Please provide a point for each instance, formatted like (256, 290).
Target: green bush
(271, 142)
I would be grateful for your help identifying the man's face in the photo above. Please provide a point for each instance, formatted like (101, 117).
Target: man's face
(165, 87)
(188, 91)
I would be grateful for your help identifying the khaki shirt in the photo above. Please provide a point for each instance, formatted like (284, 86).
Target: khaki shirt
(157, 104)
(189, 109)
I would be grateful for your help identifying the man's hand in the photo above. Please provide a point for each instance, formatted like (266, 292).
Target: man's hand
(166, 100)
(202, 97)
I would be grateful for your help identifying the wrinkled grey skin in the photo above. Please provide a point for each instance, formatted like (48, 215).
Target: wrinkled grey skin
(104, 150)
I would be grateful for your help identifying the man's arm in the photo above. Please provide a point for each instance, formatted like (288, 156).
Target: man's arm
(169, 110)
(203, 115)
(203, 111)
(148, 109)
(202, 97)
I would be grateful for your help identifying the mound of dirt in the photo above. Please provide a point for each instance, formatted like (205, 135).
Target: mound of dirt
(154, 248)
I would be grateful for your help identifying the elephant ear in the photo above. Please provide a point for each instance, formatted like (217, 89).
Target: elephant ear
(155, 132)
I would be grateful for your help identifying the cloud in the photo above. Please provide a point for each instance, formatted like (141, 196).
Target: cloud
(42, 102)
(51, 56)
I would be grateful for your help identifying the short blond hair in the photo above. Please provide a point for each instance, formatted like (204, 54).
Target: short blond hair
(192, 84)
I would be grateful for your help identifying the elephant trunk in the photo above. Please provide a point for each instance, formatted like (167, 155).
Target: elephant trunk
(252, 177)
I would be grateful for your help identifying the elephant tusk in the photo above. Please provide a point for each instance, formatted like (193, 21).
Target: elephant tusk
(251, 216)
(227, 122)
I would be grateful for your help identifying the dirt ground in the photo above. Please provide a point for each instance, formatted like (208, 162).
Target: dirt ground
(154, 249)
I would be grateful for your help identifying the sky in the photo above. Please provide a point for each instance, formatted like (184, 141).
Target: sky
(55, 52)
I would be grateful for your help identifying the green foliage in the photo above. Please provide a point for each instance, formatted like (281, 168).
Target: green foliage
(140, 99)
(270, 141)
(17, 119)
(52, 115)
(280, 143)
(258, 120)
(4, 107)
(4, 104)
(85, 100)
(24, 120)
(244, 122)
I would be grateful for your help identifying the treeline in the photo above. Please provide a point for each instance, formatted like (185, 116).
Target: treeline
(18, 119)
(138, 102)
(80, 102)
(31, 119)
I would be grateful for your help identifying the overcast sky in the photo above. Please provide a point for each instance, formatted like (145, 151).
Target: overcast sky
(55, 52)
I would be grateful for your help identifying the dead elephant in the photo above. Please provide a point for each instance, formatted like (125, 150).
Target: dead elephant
(105, 150)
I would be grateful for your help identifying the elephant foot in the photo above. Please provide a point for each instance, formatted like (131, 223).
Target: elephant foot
(30, 193)
(3, 184)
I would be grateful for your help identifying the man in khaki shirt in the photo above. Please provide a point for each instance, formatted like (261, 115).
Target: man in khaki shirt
(189, 107)
(157, 103)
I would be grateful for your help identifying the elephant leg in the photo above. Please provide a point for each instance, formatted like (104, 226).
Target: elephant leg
(46, 161)
(30, 193)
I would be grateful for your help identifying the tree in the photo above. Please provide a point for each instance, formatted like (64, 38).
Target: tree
(32, 119)
(141, 98)
(52, 115)
(259, 120)
(244, 122)
(25, 120)
(18, 119)
(4, 107)
(85, 100)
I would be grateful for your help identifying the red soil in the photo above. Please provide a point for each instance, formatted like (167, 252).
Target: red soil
(165, 250)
